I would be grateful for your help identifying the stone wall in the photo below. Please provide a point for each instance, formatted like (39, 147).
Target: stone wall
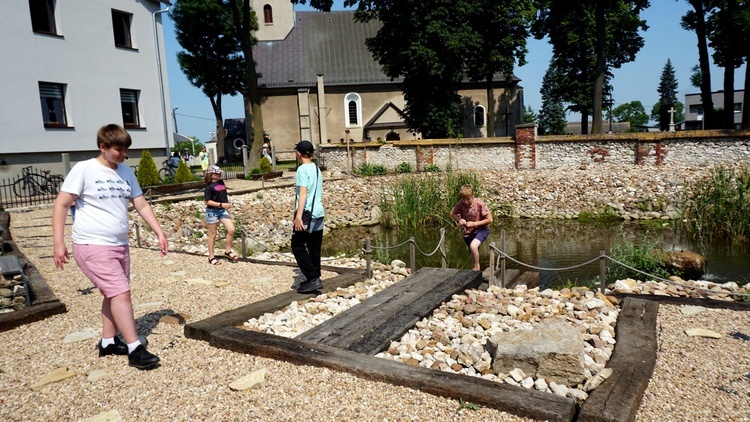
(529, 151)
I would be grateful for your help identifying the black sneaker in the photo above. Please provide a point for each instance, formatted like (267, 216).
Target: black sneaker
(310, 286)
(117, 348)
(141, 358)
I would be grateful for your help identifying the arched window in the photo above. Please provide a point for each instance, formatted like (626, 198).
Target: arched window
(352, 109)
(267, 14)
(479, 116)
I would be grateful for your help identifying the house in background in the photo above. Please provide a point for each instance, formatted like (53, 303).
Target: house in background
(320, 83)
(72, 66)
(694, 109)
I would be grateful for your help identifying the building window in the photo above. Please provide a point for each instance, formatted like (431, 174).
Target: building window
(696, 109)
(479, 115)
(129, 103)
(121, 27)
(268, 14)
(352, 109)
(52, 98)
(738, 107)
(43, 16)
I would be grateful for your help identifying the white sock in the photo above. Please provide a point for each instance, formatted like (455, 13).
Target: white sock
(107, 341)
(133, 345)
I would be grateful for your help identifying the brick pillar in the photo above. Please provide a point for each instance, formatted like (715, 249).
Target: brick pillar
(526, 146)
(425, 157)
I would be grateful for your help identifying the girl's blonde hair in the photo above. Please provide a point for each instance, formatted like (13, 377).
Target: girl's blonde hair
(466, 191)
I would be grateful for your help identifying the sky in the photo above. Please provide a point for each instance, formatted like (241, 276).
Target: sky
(638, 80)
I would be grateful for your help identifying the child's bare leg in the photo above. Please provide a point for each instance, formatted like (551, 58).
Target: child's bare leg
(109, 328)
(211, 239)
(120, 311)
(229, 225)
(474, 249)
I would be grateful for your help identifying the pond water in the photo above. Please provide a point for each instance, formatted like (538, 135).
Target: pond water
(545, 244)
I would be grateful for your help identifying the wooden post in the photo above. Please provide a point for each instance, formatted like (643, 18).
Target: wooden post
(602, 271)
(368, 258)
(492, 264)
(243, 243)
(502, 258)
(443, 260)
(138, 234)
(412, 255)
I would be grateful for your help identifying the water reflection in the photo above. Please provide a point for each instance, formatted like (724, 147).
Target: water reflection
(541, 243)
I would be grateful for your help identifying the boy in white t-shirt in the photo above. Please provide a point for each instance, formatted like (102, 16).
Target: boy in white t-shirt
(101, 189)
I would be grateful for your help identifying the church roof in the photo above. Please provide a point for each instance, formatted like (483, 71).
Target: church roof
(330, 43)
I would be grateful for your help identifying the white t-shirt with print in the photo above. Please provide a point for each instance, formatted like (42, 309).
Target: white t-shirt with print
(103, 196)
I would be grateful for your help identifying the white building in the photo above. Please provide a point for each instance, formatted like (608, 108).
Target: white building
(72, 66)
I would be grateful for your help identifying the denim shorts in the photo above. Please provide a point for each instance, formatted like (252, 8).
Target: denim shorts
(213, 215)
(480, 235)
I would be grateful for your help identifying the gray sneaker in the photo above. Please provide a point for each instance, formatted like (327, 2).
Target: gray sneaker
(310, 286)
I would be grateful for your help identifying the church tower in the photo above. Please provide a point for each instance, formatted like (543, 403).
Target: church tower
(275, 19)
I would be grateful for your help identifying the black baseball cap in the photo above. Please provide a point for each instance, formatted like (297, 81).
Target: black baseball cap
(305, 147)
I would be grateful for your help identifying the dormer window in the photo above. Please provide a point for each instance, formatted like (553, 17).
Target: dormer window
(268, 14)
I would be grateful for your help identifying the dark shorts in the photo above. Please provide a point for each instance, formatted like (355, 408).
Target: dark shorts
(480, 235)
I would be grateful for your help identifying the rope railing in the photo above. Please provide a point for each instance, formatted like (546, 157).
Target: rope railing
(413, 248)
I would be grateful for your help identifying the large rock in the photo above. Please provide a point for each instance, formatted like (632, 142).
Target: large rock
(689, 265)
(553, 350)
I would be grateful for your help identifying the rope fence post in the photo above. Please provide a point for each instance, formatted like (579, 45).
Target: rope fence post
(412, 255)
(243, 243)
(492, 264)
(443, 260)
(602, 271)
(138, 234)
(502, 258)
(368, 258)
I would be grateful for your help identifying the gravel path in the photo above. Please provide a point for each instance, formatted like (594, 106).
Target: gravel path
(694, 379)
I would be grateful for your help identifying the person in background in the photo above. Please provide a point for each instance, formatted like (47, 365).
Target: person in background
(217, 210)
(101, 189)
(186, 155)
(174, 160)
(203, 155)
(307, 236)
(474, 217)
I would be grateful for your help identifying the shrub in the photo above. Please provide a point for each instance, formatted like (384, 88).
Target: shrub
(183, 174)
(265, 165)
(370, 169)
(256, 171)
(148, 175)
(431, 168)
(404, 168)
(644, 256)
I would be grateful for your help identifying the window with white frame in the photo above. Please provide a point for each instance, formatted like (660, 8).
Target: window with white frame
(52, 96)
(352, 109)
(268, 14)
(479, 115)
(129, 103)
(121, 28)
(43, 16)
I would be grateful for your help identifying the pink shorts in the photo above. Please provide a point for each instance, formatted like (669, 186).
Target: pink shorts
(108, 267)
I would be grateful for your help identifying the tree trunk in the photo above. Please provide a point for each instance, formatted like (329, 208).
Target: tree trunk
(220, 133)
(705, 65)
(746, 97)
(728, 117)
(601, 69)
(584, 123)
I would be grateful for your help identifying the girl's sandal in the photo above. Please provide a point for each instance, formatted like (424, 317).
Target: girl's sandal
(214, 261)
(231, 255)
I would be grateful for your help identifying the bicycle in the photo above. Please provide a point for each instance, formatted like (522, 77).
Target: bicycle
(167, 171)
(33, 184)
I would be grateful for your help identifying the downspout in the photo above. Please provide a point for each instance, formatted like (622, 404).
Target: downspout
(321, 111)
(161, 77)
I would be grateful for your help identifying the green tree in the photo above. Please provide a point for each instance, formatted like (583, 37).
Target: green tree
(590, 37)
(529, 116)
(695, 20)
(552, 119)
(245, 23)
(212, 59)
(632, 112)
(667, 95)
(148, 175)
(194, 146)
(679, 112)
(183, 173)
(727, 37)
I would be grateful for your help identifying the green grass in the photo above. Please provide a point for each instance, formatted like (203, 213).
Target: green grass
(644, 256)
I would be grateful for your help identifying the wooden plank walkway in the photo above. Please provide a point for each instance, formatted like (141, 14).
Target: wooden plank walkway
(370, 326)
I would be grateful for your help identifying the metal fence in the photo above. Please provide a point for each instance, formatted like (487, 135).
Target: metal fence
(32, 187)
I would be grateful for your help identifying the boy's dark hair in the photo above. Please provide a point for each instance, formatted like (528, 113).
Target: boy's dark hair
(113, 135)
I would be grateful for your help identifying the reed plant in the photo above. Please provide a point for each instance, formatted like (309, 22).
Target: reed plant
(718, 207)
(645, 256)
(417, 200)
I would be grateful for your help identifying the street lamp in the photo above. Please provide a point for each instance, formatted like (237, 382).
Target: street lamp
(161, 77)
(174, 117)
